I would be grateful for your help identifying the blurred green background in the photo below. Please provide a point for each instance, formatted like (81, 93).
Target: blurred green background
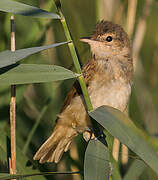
(81, 17)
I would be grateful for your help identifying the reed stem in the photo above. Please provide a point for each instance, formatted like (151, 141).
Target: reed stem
(76, 62)
(12, 160)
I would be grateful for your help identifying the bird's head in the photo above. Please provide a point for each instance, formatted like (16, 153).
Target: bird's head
(108, 39)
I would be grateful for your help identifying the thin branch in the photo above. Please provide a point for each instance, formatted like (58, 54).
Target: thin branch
(13, 108)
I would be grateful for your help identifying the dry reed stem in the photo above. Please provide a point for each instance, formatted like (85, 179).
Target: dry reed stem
(124, 157)
(146, 106)
(138, 40)
(117, 19)
(137, 43)
(116, 148)
(119, 13)
(124, 154)
(130, 27)
(12, 161)
(107, 8)
(132, 6)
(131, 15)
(140, 31)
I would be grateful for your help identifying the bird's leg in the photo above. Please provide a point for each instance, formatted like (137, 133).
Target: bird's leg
(91, 135)
(88, 135)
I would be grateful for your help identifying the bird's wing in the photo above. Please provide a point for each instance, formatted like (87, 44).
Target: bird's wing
(87, 71)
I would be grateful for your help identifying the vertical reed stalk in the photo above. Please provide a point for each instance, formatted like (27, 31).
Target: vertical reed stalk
(81, 79)
(124, 157)
(12, 161)
(76, 61)
(131, 15)
(140, 31)
(116, 149)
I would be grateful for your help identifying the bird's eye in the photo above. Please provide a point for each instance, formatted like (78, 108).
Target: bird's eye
(109, 39)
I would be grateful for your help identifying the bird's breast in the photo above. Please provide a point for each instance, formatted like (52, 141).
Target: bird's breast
(114, 93)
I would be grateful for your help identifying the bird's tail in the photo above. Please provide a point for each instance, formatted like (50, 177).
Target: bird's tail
(58, 143)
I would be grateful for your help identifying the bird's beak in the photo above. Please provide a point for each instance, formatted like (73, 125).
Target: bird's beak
(86, 39)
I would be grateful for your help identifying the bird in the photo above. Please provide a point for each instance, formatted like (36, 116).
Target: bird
(108, 77)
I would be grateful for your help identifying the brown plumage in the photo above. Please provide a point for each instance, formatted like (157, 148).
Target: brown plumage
(108, 77)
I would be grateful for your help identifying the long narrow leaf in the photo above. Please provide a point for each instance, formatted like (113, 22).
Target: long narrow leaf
(96, 163)
(25, 10)
(121, 127)
(34, 73)
(6, 176)
(135, 170)
(8, 57)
